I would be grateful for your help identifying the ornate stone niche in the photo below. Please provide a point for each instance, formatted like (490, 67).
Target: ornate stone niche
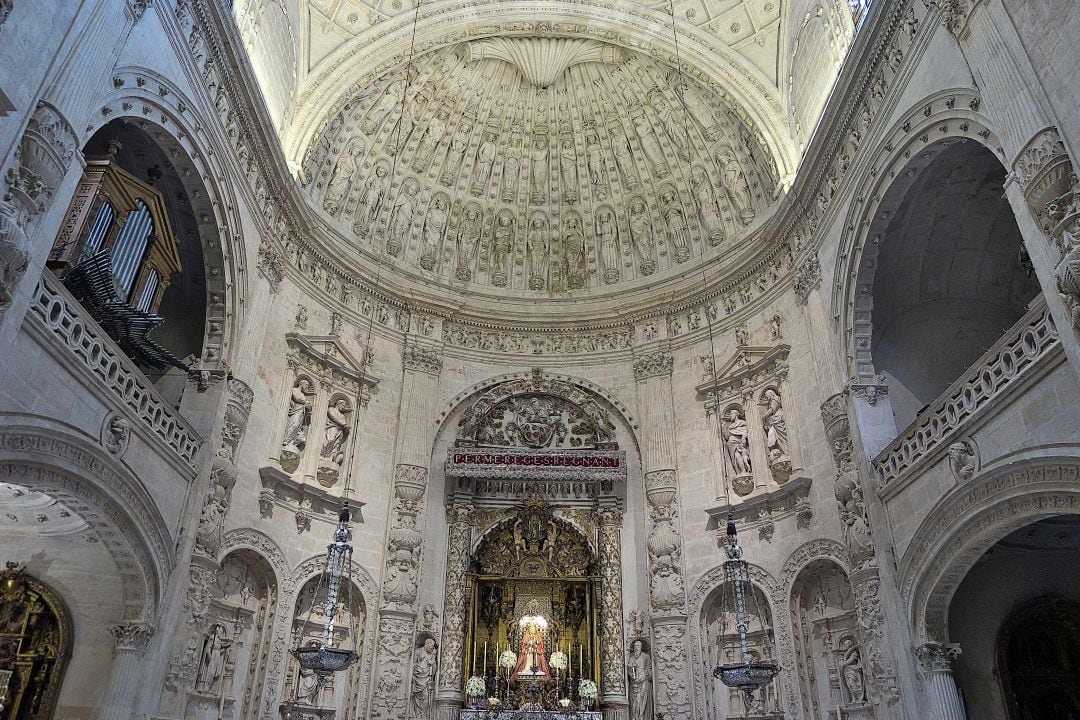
(763, 511)
(746, 394)
(324, 387)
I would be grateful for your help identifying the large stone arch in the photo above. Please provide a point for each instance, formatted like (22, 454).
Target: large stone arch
(969, 520)
(55, 459)
(165, 113)
(922, 132)
(745, 88)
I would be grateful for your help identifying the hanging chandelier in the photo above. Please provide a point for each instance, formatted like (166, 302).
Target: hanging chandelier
(321, 655)
(742, 671)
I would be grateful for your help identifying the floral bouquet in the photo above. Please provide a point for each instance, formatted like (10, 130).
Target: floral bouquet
(558, 660)
(587, 689)
(508, 659)
(476, 687)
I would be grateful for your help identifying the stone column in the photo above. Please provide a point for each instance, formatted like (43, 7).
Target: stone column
(128, 671)
(450, 695)
(422, 364)
(943, 699)
(612, 646)
(667, 585)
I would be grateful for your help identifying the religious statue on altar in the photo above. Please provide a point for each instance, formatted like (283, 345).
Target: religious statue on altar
(532, 656)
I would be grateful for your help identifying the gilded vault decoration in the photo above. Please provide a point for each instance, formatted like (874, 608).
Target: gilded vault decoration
(540, 165)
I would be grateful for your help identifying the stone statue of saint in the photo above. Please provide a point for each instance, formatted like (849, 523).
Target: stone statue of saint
(538, 167)
(568, 165)
(338, 423)
(423, 680)
(641, 233)
(639, 682)
(504, 245)
(372, 198)
(607, 233)
(511, 172)
(401, 222)
(707, 207)
(678, 232)
(851, 671)
(735, 183)
(653, 152)
(468, 242)
(776, 433)
(737, 441)
(295, 435)
(341, 179)
(434, 225)
(212, 663)
(574, 248)
(539, 253)
(309, 682)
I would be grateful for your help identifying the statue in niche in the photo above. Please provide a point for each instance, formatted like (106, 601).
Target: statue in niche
(776, 432)
(736, 436)
(423, 680)
(734, 180)
(503, 247)
(653, 152)
(532, 652)
(372, 198)
(338, 425)
(342, 178)
(310, 683)
(624, 159)
(595, 162)
(539, 250)
(607, 237)
(455, 156)
(707, 207)
(641, 234)
(678, 232)
(510, 174)
(434, 227)
(468, 242)
(212, 661)
(401, 220)
(432, 136)
(538, 167)
(387, 105)
(568, 164)
(299, 417)
(699, 110)
(851, 671)
(574, 247)
(639, 682)
(485, 160)
(678, 134)
(398, 137)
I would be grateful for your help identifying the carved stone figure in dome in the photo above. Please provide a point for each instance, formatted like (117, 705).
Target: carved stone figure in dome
(595, 156)
(372, 199)
(503, 248)
(510, 174)
(341, 179)
(574, 253)
(539, 253)
(432, 136)
(569, 168)
(485, 160)
(468, 242)
(538, 170)
(434, 227)
(607, 237)
(299, 416)
(641, 234)
(624, 159)
(678, 232)
(401, 220)
(649, 143)
(707, 207)
(455, 156)
(734, 180)
(398, 136)
(338, 426)
(699, 110)
(388, 104)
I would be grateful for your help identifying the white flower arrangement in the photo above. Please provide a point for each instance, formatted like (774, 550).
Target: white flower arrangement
(508, 659)
(558, 660)
(476, 687)
(587, 689)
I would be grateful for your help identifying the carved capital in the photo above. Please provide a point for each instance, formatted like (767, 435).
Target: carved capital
(422, 358)
(937, 657)
(661, 487)
(956, 13)
(807, 276)
(834, 413)
(869, 392)
(655, 364)
(132, 637)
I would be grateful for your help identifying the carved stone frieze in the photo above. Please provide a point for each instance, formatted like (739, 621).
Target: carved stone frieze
(516, 341)
(807, 276)
(790, 500)
(271, 265)
(422, 358)
(747, 370)
(392, 652)
(655, 364)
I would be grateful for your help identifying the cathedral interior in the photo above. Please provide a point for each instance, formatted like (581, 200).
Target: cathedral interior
(537, 359)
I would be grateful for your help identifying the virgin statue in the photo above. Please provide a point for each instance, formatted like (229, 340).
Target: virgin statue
(532, 655)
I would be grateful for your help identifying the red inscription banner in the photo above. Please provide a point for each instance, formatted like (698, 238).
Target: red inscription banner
(573, 461)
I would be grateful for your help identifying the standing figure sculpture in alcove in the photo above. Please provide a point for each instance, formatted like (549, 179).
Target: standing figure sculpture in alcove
(639, 682)
(434, 226)
(539, 250)
(468, 242)
(574, 247)
(649, 143)
(678, 232)
(607, 232)
(777, 443)
(538, 167)
(737, 441)
(401, 220)
(503, 247)
(455, 156)
(707, 207)
(735, 183)
(851, 671)
(423, 680)
(341, 179)
(510, 173)
(485, 160)
(568, 165)
(372, 198)
(641, 233)
(338, 423)
(294, 438)
(212, 662)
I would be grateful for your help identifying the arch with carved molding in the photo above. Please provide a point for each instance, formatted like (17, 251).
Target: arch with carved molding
(259, 543)
(969, 520)
(744, 87)
(58, 460)
(182, 135)
(949, 115)
(775, 592)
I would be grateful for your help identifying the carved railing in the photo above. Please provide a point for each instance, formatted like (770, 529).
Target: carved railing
(1001, 369)
(79, 338)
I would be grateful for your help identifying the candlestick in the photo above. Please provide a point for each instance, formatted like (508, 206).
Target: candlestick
(580, 665)
(485, 658)
(569, 661)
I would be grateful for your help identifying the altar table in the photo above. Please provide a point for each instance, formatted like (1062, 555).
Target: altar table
(468, 714)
